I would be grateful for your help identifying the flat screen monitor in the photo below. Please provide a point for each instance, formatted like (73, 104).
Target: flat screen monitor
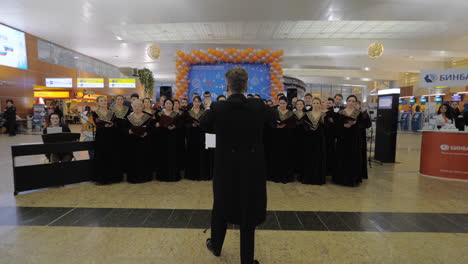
(423, 100)
(385, 102)
(412, 100)
(13, 48)
(438, 99)
(122, 83)
(59, 82)
(456, 97)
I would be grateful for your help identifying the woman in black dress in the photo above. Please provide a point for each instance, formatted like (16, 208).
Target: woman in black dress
(282, 167)
(364, 124)
(105, 169)
(167, 141)
(120, 123)
(138, 128)
(10, 117)
(314, 166)
(298, 138)
(197, 155)
(348, 145)
(330, 137)
(148, 107)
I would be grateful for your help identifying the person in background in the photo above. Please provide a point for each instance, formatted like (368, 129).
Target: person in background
(207, 102)
(292, 105)
(190, 105)
(184, 104)
(160, 105)
(270, 103)
(54, 120)
(10, 116)
(364, 125)
(87, 128)
(457, 116)
(308, 102)
(443, 116)
(338, 103)
(148, 107)
(221, 98)
(196, 152)
(133, 97)
(58, 109)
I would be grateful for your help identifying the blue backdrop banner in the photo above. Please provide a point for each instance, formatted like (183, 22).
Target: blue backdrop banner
(211, 78)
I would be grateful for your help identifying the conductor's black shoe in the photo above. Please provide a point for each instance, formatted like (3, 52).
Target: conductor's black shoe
(256, 262)
(209, 245)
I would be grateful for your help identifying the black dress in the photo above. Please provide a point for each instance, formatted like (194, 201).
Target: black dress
(348, 166)
(167, 147)
(10, 118)
(330, 139)
(282, 161)
(120, 123)
(314, 166)
(297, 140)
(105, 170)
(139, 158)
(153, 139)
(197, 156)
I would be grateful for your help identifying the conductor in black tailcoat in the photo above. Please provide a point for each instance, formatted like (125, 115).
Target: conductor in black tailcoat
(239, 183)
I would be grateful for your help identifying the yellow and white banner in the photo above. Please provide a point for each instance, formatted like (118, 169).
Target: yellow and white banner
(90, 83)
(122, 83)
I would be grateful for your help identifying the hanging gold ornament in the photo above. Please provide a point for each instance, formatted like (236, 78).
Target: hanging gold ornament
(154, 51)
(375, 50)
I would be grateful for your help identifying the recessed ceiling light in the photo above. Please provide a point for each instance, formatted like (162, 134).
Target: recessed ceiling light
(76, 57)
(406, 73)
(366, 68)
(123, 45)
(118, 37)
(348, 78)
(365, 79)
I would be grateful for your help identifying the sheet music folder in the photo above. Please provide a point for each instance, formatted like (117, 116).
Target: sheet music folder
(60, 137)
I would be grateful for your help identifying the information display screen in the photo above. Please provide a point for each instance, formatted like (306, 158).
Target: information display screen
(385, 102)
(13, 48)
(122, 83)
(438, 99)
(412, 100)
(90, 83)
(423, 100)
(59, 82)
(456, 97)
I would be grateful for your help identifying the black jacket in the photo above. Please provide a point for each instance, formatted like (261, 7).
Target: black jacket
(239, 184)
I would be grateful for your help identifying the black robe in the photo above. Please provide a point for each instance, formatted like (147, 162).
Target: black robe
(153, 139)
(105, 170)
(348, 165)
(120, 123)
(364, 124)
(239, 184)
(198, 162)
(282, 148)
(314, 166)
(139, 157)
(181, 146)
(330, 139)
(298, 152)
(167, 147)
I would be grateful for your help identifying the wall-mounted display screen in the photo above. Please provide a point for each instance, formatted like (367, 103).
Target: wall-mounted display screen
(412, 100)
(385, 102)
(122, 83)
(438, 99)
(59, 82)
(423, 99)
(13, 48)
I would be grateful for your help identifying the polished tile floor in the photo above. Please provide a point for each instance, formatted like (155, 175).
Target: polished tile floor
(396, 216)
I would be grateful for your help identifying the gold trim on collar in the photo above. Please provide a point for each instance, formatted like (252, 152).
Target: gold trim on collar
(173, 114)
(353, 114)
(120, 113)
(299, 114)
(107, 117)
(315, 121)
(138, 121)
(284, 116)
(195, 115)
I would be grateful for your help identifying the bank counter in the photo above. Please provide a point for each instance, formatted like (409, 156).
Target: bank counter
(444, 154)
